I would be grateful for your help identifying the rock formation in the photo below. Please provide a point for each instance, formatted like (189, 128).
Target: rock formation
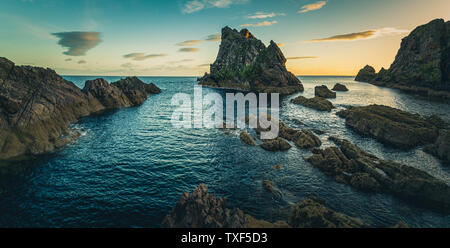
(323, 91)
(441, 148)
(366, 74)
(422, 64)
(247, 138)
(244, 63)
(340, 87)
(350, 165)
(278, 144)
(317, 103)
(37, 106)
(390, 126)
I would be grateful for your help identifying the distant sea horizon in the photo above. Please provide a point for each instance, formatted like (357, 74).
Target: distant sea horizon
(67, 75)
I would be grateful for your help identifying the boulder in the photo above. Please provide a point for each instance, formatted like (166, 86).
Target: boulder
(390, 126)
(323, 91)
(245, 63)
(247, 138)
(317, 103)
(340, 87)
(278, 144)
(350, 165)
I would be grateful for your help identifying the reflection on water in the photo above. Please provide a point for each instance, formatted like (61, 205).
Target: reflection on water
(130, 166)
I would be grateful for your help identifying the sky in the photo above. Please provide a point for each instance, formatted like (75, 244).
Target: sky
(182, 37)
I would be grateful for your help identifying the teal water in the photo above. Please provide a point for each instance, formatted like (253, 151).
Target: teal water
(130, 166)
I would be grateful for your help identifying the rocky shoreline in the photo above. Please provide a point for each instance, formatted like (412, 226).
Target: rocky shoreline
(37, 106)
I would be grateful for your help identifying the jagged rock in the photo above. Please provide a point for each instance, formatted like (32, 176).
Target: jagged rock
(340, 87)
(366, 74)
(247, 138)
(203, 210)
(278, 144)
(317, 103)
(422, 65)
(441, 148)
(390, 126)
(311, 213)
(245, 63)
(306, 139)
(136, 90)
(323, 91)
(109, 95)
(350, 165)
(37, 106)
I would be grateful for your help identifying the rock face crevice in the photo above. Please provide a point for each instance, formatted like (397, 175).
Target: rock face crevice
(422, 64)
(245, 63)
(37, 106)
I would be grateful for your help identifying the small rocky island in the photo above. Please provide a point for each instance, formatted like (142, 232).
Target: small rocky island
(37, 106)
(422, 64)
(245, 63)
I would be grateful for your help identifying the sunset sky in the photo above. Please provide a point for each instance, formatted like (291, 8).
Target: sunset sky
(181, 37)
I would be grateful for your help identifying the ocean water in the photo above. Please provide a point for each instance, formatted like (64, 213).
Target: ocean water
(130, 166)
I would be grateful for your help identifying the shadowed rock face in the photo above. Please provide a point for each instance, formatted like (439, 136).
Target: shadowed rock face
(136, 90)
(245, 63)
(37, 106)
(390, 126)
(350, 165)
(366, 74)
(323, 91)
(317, 103)
(441, 148)
(340, 87)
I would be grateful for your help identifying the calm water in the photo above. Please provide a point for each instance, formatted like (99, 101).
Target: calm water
(130, 166)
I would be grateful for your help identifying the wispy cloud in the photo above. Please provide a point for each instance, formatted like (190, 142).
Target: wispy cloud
(78, 43)
(189, 42)
(192, 6)
(189, 49)
(263, 15)
(142, 56)
(313, 6)
(260, 24)
(364, 35)
(214, 37)
(305, 57)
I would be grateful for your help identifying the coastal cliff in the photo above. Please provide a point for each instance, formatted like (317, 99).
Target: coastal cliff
(37, 106)
(245, 63)
(422, 64)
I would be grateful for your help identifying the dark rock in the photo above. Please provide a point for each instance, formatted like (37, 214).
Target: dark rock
(109, 95)
(390, 126)
(366, 74)
(278, 167)
(317, 103)
(323, 91)
(278, 144)
(311, 213)
(318, 131)
(136, 90)
(340, 87)
(245, 63)
(306, 139)
(247, 138)
(350, 165)
(441, 148)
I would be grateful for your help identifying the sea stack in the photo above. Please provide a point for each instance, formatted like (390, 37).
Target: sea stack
(422, 64)
(245, 63)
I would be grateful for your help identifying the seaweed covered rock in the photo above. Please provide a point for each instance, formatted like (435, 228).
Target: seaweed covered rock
(323, 91)
(317, 103)
(350, 165)
(312, 213)
(340, 87)
(366, 74)
(245, 63)
(390, 126)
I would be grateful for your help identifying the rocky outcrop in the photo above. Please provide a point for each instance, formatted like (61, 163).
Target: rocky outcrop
(278, 144)
(350, 165)
(245, 63)
(441, 148)
(247, 138)
(317, 103)
(390, 126)
(136, 90)
(366, 74)
(340, 87)
(323, 91)
(312, 213)
(422, 64)
(37, 106)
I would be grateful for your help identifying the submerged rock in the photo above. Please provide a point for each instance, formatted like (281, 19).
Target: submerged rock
(390, 126)
(323, 91)
(245, 63)
(311, 213)
(317, 103)
(247, 138)
(366, 74)
(350, 165)
(277, 167)
(340, 87)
